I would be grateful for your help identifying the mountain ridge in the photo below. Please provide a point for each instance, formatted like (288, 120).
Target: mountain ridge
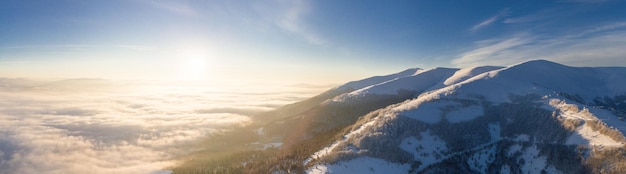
(532, 117)
(466, 96)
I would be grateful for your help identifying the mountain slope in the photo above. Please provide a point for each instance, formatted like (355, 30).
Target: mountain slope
(536, 116)
(298, 108)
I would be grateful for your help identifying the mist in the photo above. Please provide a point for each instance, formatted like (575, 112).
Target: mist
(105, 126)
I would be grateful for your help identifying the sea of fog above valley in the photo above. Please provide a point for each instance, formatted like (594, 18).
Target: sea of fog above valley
(105, 126)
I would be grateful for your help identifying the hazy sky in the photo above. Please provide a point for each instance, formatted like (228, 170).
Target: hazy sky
(298, 41)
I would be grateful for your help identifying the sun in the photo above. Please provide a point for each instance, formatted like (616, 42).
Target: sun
(195, 67)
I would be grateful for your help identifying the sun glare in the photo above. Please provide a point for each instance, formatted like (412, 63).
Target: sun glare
(195, 66)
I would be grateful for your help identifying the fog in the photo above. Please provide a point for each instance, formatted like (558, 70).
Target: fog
(103, 126)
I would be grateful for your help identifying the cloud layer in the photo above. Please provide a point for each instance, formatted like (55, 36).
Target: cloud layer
(97, 126)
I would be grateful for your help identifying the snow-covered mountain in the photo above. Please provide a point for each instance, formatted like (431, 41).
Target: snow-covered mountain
(532, 117)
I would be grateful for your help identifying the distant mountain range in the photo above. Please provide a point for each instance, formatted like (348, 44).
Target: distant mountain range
(532, 117)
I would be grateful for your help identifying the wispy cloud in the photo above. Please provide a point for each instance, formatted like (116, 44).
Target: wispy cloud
(585, 1)
(292, 21)
(602, 45)
(488, 49)
(547, 15)
(605, 28)
(137, 47)
(179, 7)
(78, 47)
(15, 62)
(57, 46)
(489, 21)
(290, 16)
(532, 17)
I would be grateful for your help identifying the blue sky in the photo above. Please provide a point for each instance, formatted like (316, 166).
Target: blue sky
(299, 41)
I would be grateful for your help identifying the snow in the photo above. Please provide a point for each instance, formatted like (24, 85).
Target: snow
(609, 118)
(327, 150)
(522, 138)
(467, 73)
(497, 89)
(318, 169)
(551, 169)
(162, 172)
(495, 84)
(379, 79)
(513, 149)
(260, 132)
(429, 112)
(543, 77)
(272, 145)
(434, 111)
(616, 78)
(418, 82)
(361, 165)
(494, 132)
(584, 82)
(414, 103)
(533, 163)
(480, 160)
(427, 148)
(361, 128)
(585, 135)
(505, 169)
(570, 111)
(464, 114)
